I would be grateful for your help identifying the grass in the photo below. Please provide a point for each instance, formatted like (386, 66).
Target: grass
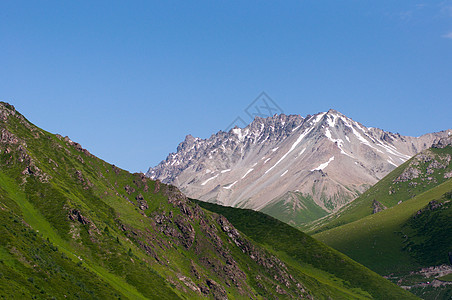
(294, 208)
(72, 226)
(34, 218)
(377, 241)
(303, 251)
(447, 277)
(388, 191)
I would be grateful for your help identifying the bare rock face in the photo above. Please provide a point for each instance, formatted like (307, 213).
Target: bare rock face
(377, 207)
(327, 157)
(75, 215)
(443, 142)
(425, 163)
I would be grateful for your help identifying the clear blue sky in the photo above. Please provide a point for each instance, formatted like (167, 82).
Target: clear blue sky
(128, 80)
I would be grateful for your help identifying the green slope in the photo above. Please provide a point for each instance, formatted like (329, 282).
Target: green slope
(424, 171)
(294, 208)
(76, 227)
(382, 241)
(306, 254)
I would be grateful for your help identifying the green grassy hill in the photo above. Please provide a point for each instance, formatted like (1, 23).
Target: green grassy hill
(421, 173)
(294, 208)
(400, 240)
(378, 241)
(305, 253)
(75, 227)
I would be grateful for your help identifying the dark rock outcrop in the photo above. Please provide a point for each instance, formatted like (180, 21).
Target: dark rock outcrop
(377, 207)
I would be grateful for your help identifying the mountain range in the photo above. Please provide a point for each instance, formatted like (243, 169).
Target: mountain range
(297, 169)
(73, 226)
(401, 226)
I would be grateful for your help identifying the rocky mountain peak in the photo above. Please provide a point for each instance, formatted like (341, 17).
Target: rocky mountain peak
(327, 158)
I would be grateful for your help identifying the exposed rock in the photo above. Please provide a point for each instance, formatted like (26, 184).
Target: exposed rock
(189, 283)
(328, 157)
(195, 271)
(409, 173)
(8, 137)
(443, 142)
(204, 289)
(271, 263)
(77, 146)
(27, 171)
(115, 169)
(432, 205)
(187, 230)
(129, 189)
(142, 203)
(79, 175)
(6, 110)
(157, 186)
(75, 215)
(217, 290)
(377, 207)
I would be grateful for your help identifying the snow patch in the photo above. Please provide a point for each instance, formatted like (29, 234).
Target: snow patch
(204, 183)
(285, 172)
(295, 144)
(389, 161)
(338, 142)
(331, 119)
(224, 171)
(319, 117)
(247, 172)
(238, 132)
(229, 186)
(393, 150)
(324, 165)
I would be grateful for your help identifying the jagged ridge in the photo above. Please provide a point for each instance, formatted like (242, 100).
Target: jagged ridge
(327, 157)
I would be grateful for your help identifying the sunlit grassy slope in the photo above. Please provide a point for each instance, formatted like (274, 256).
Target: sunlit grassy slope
(382, 241)
(390, 191)
(305, 253)
(75, 227)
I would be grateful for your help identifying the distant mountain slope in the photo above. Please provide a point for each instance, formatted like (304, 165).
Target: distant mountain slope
(377, 241)
(407, 242)
(75, 227)
(424, 171)
(286, 165)
(305, 253)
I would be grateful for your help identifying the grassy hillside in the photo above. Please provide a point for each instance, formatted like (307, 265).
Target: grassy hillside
(393, 240)
(428, 234)
(76, 227)
(307, 254)
(421, 173)
(294, 208)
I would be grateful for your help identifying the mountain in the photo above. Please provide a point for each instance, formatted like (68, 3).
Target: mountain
(409, 243)
(299, 248)
(293, 168)
(424, 171)
(75, 227)
(401, 226)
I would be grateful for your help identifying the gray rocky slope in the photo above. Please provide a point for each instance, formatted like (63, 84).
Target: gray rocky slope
(287, 165)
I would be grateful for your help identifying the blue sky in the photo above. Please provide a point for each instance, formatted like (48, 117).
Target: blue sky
(128, 80)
